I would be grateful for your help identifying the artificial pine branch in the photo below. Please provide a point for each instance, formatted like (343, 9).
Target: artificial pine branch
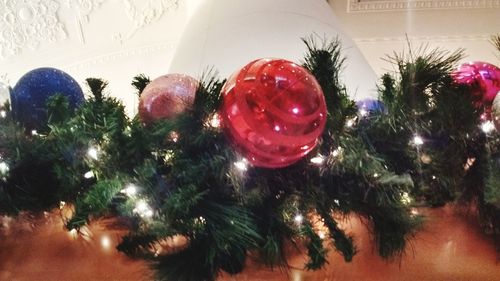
(140, 82)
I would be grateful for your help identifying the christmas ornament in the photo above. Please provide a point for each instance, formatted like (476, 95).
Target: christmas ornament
(367, 106)
(273, 112)
(31, 93)
(167, 96)
(482, 77)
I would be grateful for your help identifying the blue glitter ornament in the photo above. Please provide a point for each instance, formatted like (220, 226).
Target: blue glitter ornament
(369, 106)
(30, 95)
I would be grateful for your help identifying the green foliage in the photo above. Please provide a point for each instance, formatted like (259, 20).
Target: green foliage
(186, 183)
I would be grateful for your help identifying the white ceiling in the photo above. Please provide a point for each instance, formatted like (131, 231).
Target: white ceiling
(117, 39)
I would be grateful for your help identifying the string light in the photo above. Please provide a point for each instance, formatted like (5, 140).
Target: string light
(376, 175)
(93, 153)
(130, 190)
(143, 210)
(241, 165)
(405, 198)
(3, 113)
(350, 122)
(298, 219)
(88, 175)
(213, 121)
(363, 112)
(62, 204)
(487, 127)
(34, 133)
(321, 234)
(174, 136)
(318, 159)
(4, 168)
(337, 151)
(417, 140)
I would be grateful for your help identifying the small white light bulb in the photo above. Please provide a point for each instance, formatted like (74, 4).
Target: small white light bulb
(418, 140)
(487, 127)
(4, 168)
(88, 175)
(93, 153)
(241, 165)
(298, 219)
(318, 159)
(130, 190)
(3, 113)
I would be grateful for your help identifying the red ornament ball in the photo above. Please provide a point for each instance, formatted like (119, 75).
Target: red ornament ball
(167, 96)
(273, 112)
(482, 77)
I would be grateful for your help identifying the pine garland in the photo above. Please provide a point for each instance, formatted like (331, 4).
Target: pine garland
(177, 178)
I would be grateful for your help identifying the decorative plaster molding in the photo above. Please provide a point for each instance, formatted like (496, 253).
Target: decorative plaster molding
(356, 6)
(120, 55)
(145, 12)
(444, 38)
(27, 23)
(83, 9)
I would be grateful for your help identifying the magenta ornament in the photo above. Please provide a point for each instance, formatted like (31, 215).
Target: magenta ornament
(482, 77)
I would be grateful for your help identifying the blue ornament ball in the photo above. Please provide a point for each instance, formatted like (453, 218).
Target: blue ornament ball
(369, 106)
(30, 95)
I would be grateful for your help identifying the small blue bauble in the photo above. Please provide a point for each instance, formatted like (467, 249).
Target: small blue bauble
(368, 106)
(30, 95)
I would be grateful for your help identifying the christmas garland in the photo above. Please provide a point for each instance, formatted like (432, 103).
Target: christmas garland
(276, 154)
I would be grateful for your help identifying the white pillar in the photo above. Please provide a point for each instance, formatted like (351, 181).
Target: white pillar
(228, 34)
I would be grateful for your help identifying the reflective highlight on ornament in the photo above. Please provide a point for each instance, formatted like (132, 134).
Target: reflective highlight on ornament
(167, 96)
(273, 112)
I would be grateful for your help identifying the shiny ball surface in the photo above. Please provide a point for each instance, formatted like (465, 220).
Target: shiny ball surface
(482, 77)
(273, 112)
(167, 96)
(30, 95)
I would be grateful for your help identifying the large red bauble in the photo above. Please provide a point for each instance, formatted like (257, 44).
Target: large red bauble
(482, 77)
(167, 96)
(273, 112)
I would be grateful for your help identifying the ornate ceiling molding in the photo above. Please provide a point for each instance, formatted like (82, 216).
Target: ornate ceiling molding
(356, 6)
(443, 38)
(27, 24)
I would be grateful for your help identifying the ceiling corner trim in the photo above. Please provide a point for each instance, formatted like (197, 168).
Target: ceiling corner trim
(360, 6)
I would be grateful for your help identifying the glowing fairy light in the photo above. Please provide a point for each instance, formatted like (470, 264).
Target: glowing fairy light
(350, 122)
(3, 113)
(376, 175)
(34, 133)
(295, 110)
(93, 153)
(363, 112)
(4, 168)
(487, 127)
(321, 234)
(337, 151)
(130, 190)
(213, 121)
(299, 218)
(143, 210)
(88, 175)
(62, 204)
(405, 198)
(417, 140)
(318, 159)
(241, 165)
(174, 136)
